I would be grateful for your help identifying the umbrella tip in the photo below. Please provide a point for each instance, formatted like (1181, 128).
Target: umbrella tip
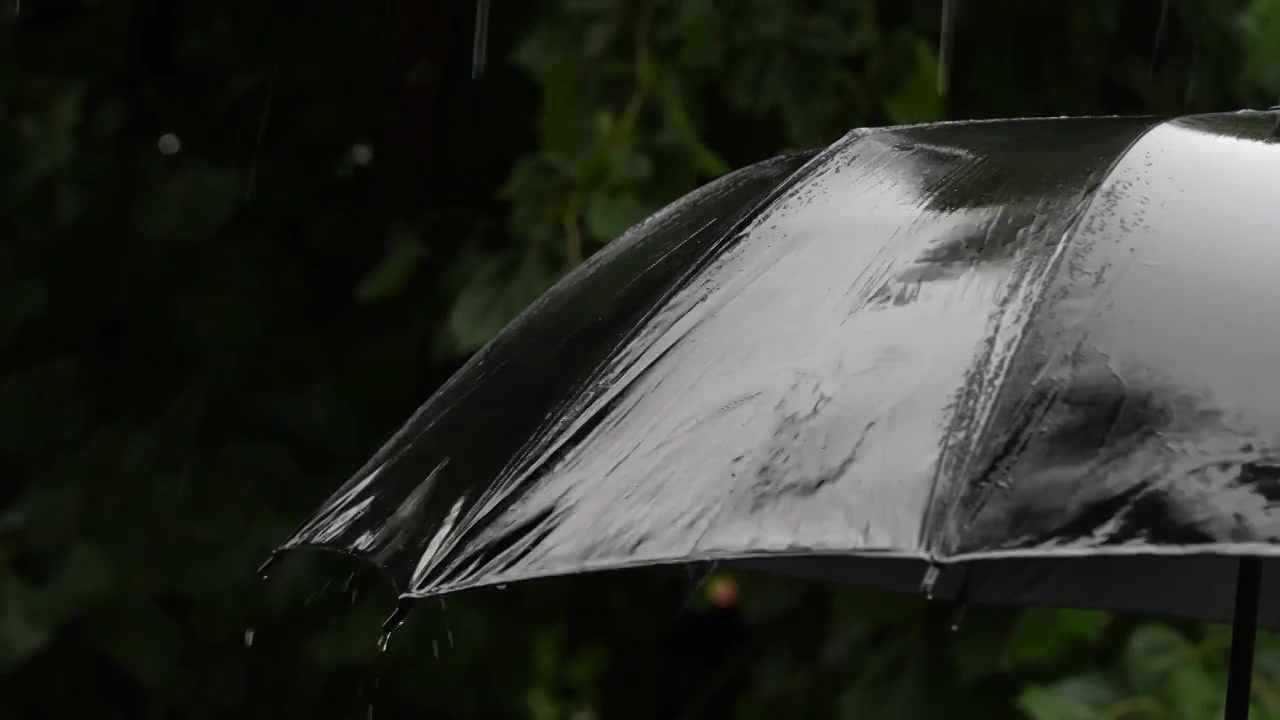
(930, 579)
(394, 621)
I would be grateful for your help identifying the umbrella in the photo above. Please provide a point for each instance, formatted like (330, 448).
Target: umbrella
(1024, 362)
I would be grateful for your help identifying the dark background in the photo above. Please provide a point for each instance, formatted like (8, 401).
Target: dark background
(201, 336)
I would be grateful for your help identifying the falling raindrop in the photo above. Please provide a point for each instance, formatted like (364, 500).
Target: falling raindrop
(448, 631)
(480, 47)
(958, 618)
(698, 581)
(1161, 25)
(248, 637)
(169, 144)
(945, 43)
(14, 8)
(435, 649)
(265, 567)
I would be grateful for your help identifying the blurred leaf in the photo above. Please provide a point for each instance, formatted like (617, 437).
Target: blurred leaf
(1042, 637)
(140, 638)
(190, 204)
(1260, 27)
(394, 272)
(495, 290)
(42, 407)
(50, 138)
(1079, 697)
(890, 685)
(981, 643)
(1195, 694)
(24, 299)
(1152, 653)
(28, 618)
(610, 214)
(702, 32)
(917, 99)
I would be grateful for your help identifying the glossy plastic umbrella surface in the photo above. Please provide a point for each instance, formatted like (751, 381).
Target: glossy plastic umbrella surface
(1019, 362)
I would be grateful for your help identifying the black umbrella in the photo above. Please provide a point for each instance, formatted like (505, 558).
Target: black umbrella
(1026, 362)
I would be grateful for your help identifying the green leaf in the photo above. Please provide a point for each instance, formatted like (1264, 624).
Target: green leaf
(1153, 651)
(1260, 30)
(702, 33)
(1043, 636)
(494, 290)
(1196, 694)
(49, 139)
(23, 300)
(626, 165)
(917, 99)
(28, 617)
(188, 204)
(42, 407)
(139, 637)
(889, 686)
(609, 214)
(85, 575)
(680, 125)
(981, 643)
(1079, 697)
(394, 271)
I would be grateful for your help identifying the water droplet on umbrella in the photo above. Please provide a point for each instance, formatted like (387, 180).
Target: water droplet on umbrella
(502, 587)
(169, 144)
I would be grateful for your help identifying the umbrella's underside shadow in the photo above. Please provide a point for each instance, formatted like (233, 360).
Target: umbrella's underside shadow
(1201, 587)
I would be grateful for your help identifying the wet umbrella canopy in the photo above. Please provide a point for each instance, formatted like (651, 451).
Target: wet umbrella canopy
(1028, 362)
